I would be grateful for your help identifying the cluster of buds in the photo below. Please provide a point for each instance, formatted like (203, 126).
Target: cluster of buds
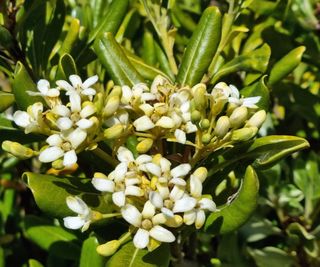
(151, 195)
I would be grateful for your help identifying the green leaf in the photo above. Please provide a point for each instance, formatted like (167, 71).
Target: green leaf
(7, 99)
(58, 189)
(233, 215)
(22, 83)
(51, 237)
(272, 256)
(146, 71)
(71, 37)
(115, 61)
(34, 263)
(286, 65)
(66, 67)
(111, 21)
(2, 257)
(184, 19)
(129, 256)
(258, 89)
(89, 255)
(201, 48)
(255, 61)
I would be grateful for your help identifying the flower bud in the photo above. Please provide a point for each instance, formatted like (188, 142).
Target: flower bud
(204, 124)
(201, 173)
(222, 126)
(257, 119)
(199, 94)
(58, 164)
(175, 221)
(144, 145)
(114, 132)
(108, 248)
(206, 138)
(244, 134)
(195, 116)
(218, 106)
(18, 150)
(116, 91)
(238, 116)
(111, 106)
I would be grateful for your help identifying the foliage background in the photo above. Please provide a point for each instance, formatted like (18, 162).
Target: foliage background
(275, 38)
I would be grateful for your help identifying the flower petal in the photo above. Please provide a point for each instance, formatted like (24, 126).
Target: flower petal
(189, 217)
(124, 155)
(156, 199)
(75, 80)
(43, 86)
(148, 210)
(90, 81)
(21, 118)
(181, 170)
(76, 137)
(161, 234)
(180, 136)
(73, 222)
(195, 186)
(103, 185)
(153, 169)
(87, 111)
(144, 123)
(77, 205)
(84, 124)
(64, 85)
(70, 158)
(51, 154)
(184, 204)
(64, 123)
(165, 122)
(207, 204)
(201, 218)
(132, 190)
(131, 214)
(54, 140)
(119, 198)
(61, 110)
(75, 101)
(141, 238)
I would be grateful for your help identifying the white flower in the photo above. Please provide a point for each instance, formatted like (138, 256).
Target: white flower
(30, 120)
(83, 88)
(197, 214)
(147, 223)
(63, 146)
(44, 89)
(143, 123)
(84, 217)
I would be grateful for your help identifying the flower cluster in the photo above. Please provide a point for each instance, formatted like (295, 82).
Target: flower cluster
(154, 185)
(151, 195)
(70, 126)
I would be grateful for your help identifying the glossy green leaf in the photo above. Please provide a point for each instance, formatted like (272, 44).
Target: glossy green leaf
(258, 89)
(201, 48)
(111, 21)
(233, 215)
(22, 83)
(7, 99)
(129, 18)
(89, 255)
(256, 61)
(115, 61)
(51, 237)
(286, 65)
(34, 263)
(2, 257)
(58, 189)
(146, 71)
(129, 256)
(6, 39)
(66, 67)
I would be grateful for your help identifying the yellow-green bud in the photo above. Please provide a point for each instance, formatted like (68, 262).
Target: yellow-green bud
(199, 94)
(116, 91)
(18, 150)
(108, 248)
(244, 134)
(175, 221)
(238, 116)
(195, 116)
(100, 175)
(218, 106)
(206, 138)
(58, 164)
(204, 124)
(144, 145)
(98, 101)
(257, 119)
(222, 126)
(114, 132)
(111, 106)
(201, 173)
